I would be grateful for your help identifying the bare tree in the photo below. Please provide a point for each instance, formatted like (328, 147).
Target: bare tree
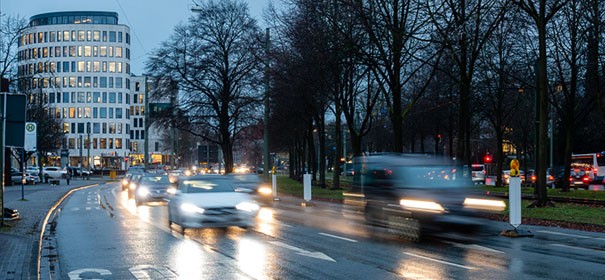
(502, 63)
(463, 28)
(394, 29)
(212, 59)
(541, 12)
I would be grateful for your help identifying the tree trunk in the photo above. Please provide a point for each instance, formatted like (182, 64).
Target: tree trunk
(339, 151)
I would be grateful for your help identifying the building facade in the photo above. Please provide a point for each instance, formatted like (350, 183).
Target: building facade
(160, 142)
(78, 63)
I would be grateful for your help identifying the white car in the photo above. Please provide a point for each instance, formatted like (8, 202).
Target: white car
(33, 170)
(478, 173)
(54, 172)
(210, 201)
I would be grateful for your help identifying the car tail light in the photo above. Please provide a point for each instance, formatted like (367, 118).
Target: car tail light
(585, 179)
(596, 171)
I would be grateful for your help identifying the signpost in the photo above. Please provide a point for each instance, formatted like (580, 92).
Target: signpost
(13, 120)
(514, 203)
(30, 143)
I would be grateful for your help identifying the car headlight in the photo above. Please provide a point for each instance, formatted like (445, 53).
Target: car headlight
(484, 204)
(265, 191)
(190, 208)
(132, 186)
(171, 190)
(142, 191)
(428, 206)
(247, 206)
(124, 182)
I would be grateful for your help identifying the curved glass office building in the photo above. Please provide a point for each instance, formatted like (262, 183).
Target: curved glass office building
(77, 63)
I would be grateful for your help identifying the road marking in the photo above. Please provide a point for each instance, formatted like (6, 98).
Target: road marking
(577, 248)
(439, 261)
(474, 247)
(88, 208)
(338, 237)
(141, 272)
(75, 275)
(570, 235)
(302, 252)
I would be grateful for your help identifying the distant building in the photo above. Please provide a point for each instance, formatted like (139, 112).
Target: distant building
(160, 143)
(79, 64)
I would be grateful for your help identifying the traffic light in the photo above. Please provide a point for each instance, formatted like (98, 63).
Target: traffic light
(487, 158)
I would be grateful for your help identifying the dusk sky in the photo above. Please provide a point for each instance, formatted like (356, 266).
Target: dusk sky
(150, 21)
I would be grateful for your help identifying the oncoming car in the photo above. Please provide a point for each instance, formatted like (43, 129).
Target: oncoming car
(150, 188)
(210, 201)
(414, 194)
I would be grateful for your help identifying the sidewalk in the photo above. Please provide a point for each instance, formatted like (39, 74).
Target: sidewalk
(19, 238)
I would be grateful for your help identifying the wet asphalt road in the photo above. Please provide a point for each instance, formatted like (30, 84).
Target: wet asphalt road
(101, 234)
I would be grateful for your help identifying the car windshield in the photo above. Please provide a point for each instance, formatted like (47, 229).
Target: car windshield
(206, 186)
(429, 177)
(477, 168)
(155, 179)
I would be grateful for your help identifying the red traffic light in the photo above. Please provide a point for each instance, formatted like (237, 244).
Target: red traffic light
(487, 158)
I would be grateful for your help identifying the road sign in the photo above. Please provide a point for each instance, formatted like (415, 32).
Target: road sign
(30, 137)
(15, 119)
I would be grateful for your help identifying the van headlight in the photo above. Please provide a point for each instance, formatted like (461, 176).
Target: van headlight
(421, 205)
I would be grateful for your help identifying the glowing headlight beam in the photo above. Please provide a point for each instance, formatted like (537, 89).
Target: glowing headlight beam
(484, 204)
(248, 206)
(190, 208)
(428, 206)
(265, 190)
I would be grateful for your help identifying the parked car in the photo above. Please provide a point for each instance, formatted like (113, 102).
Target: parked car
(506, 176)
(80, 172)
(210, 201)
(34, 173)
(579, 178)
(532, 175)
(33, 170)
(29, 179)
(54, 172)
(150, 187)
(478, 173)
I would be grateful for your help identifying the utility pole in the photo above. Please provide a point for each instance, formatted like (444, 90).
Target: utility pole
(146, 144)
(88, 145)
(2, 128)
(266, 116)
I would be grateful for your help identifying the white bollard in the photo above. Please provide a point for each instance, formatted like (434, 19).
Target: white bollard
(514, 209)
(514, 201)
(274, 186)
(307, 187)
